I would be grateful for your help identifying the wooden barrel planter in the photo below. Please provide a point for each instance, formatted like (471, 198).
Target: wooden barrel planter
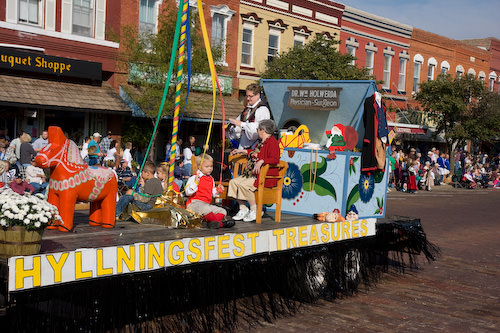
(17, 241)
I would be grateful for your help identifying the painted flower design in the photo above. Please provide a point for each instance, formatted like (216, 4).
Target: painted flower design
(292, 182)
(380, 204)
(366, 187)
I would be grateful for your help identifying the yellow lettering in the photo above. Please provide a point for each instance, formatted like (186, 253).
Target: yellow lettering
(222, 245)
(364, 228)
(38, 61)
(208, 246)
(101, 270)
(122, 257)
(277, 233)
(345, 230)
(29, 61)
(314, 235)
(336, 231)
(179, 253)
(57, 265)
(79, 274)
(355, 228)
(195, 250)
(252, 237)
(290, 238)
(142, 257)
(159, 257)
(238, 243)
(325, 232)
(68, 67)
(22, 273)
(302, 235)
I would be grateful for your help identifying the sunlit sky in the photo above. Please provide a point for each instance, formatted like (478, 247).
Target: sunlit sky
(457, 19)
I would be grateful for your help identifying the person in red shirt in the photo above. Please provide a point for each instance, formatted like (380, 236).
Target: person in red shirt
(18, 185)
(242, 188)
(201, 189)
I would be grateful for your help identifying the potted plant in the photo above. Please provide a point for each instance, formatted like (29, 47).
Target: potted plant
(23, 219)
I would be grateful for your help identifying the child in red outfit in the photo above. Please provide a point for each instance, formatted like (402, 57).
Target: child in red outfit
(201, 189)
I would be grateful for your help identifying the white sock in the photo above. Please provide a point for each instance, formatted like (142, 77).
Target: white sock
(243, 208)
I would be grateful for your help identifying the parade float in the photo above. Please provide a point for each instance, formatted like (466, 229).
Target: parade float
(333, 235)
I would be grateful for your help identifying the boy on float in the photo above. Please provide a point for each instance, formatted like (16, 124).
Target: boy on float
(201, 189)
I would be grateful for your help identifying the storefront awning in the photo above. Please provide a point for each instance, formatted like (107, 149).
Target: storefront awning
(38, 93)
(407, 128)
(199, 106)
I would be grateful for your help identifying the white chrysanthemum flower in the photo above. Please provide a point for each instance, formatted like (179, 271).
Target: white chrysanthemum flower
(26, 221)
(37, 224)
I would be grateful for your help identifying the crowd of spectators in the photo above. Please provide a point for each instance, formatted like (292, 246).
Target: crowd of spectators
(413, 170)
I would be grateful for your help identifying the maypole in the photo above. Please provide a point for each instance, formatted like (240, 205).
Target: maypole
(175, 123)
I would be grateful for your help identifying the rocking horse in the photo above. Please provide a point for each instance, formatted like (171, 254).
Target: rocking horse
(71, 180)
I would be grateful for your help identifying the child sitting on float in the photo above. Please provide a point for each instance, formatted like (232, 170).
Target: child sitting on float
(151, 189)
(201, 189)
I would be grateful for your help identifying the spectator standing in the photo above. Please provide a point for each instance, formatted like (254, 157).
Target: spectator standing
(95, 156)
(2, 151)
(16, 144)
(85, 150)
(27, 152)
(111, 154)
(41, 142)
(105, 143)
(127, 155)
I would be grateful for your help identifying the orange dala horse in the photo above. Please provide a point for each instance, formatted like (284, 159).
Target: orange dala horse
(71, 180)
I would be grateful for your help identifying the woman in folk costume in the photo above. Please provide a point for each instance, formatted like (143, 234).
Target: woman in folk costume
(244, 127)
(242, 188)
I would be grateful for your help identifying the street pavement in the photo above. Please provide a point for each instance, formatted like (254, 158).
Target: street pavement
(460, 292)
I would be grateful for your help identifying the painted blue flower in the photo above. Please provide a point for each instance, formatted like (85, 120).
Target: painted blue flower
(366, 187)
(292, 183)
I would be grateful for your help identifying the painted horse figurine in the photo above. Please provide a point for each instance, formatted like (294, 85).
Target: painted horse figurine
(71, 180)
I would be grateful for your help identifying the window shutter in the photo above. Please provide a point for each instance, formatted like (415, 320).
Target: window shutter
(100, 19)
(66, 16)
(50, 15)
(11, 11)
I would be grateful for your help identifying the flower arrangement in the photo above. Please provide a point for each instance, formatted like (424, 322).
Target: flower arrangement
(30, 211)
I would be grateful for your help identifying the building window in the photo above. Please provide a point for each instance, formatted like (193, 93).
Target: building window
(218, 30)
(83, 17)
(370, 55)
(402, 74)
(416, 76)
(29, 11)
(220, 18)
(492, 77)
(445, 67)
(247, 47)
(460, 70)
(351, 50)
(147, 17)
(298, 42)
(387, 71)
(431, 70)
(273, 45)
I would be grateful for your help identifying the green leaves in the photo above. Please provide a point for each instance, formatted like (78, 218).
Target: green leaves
(317, 60)
(353, 196)
(317, 184)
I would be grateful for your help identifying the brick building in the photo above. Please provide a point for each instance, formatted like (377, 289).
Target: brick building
(267, 28)
(63, 70)
(492, 45)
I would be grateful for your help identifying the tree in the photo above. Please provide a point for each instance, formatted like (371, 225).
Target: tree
(462, 108)
(146, 57)
(317, 60)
